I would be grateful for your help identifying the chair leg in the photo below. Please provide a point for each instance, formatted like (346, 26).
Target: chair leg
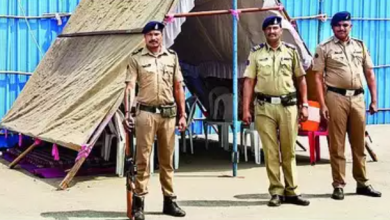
(183, 140)
(191, 141)
(241, 141)
(225, 136)
(260, 147)
(177, 153)
(312, 147)
(256, 148)
(318, 153)
(206, 132)
(245, 148)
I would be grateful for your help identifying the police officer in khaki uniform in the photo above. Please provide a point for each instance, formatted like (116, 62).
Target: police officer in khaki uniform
(157, 72)
(347, 65)
(272, 70)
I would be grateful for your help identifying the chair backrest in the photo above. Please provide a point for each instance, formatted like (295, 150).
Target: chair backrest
(191, 104)
(213, 94)
(225, 101)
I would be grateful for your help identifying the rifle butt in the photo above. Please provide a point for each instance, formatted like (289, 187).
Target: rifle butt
(129, 195)
(371, 152)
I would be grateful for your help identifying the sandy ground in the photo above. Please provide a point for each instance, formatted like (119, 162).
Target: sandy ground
(203, 191)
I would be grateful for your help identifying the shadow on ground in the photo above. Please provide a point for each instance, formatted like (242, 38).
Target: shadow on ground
(90, 214)
(307, 196)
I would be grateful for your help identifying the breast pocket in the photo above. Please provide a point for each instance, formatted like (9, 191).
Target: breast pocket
(286, 67)
(358, 58)
(147, 73)
(337, 59)
(264, 67)
(168, 72)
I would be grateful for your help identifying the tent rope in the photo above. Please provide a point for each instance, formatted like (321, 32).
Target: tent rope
(29, 29)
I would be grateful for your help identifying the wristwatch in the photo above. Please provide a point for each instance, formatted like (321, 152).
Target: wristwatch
(183, 115)
(305, 105)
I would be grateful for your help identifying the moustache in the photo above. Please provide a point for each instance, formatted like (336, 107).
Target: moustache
(152, 41)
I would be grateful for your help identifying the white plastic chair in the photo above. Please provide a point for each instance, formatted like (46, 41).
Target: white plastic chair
(225, 101)
(255, 144)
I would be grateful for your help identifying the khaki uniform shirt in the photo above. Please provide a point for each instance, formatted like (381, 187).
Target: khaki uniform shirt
(343, 62)
(274, 70)
(155, 76)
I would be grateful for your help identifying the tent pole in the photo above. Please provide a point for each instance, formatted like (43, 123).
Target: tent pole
(235, 109)
(221, 12)
(21, 156)
(69, 177)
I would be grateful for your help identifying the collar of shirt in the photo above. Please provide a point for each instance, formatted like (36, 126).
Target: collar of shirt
(336, 40)
(270, 48)
(146, 51)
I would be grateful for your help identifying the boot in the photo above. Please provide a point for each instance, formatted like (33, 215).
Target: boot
(275, 201)
(368, 191)
(296, 200)
(338, 194)
(171, 207)
(138, 208)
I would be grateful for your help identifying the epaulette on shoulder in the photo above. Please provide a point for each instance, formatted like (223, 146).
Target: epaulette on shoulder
(359, 41)
(326, 41)
(137, 51)
(172, 51)
(291, 46)
(257, 47)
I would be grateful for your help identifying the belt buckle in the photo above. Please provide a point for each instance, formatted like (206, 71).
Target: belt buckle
(276, 100)
(158, 111)
(349, 93)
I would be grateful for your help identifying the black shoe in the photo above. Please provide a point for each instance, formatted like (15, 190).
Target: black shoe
(138, 208)
(296, 200)
(338, 194)
(275, 201)
(172, 208)
(368, 191)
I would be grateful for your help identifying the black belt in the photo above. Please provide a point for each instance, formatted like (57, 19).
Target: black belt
(346, 92)
(286, 100)
(152, 109)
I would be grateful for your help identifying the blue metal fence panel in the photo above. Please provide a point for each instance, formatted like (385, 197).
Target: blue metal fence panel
(375, 34)
(307, 28)
(21, 41)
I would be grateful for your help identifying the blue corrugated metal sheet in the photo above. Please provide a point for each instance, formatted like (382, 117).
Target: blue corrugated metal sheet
(376, 35)
(18, 51)
(308, 28)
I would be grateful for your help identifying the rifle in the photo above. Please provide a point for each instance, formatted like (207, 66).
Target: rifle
(130, 167)
(368, 147)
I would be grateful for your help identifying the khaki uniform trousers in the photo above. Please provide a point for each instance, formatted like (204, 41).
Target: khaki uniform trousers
(270, 118)
(347, 114)
(148, 125)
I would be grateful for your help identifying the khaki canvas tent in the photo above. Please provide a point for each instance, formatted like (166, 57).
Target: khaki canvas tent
(79, 85)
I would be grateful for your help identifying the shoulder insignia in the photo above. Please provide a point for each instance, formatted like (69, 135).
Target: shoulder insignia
(291, 46)
(257, 47)
(172, 51)
(137, 51)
